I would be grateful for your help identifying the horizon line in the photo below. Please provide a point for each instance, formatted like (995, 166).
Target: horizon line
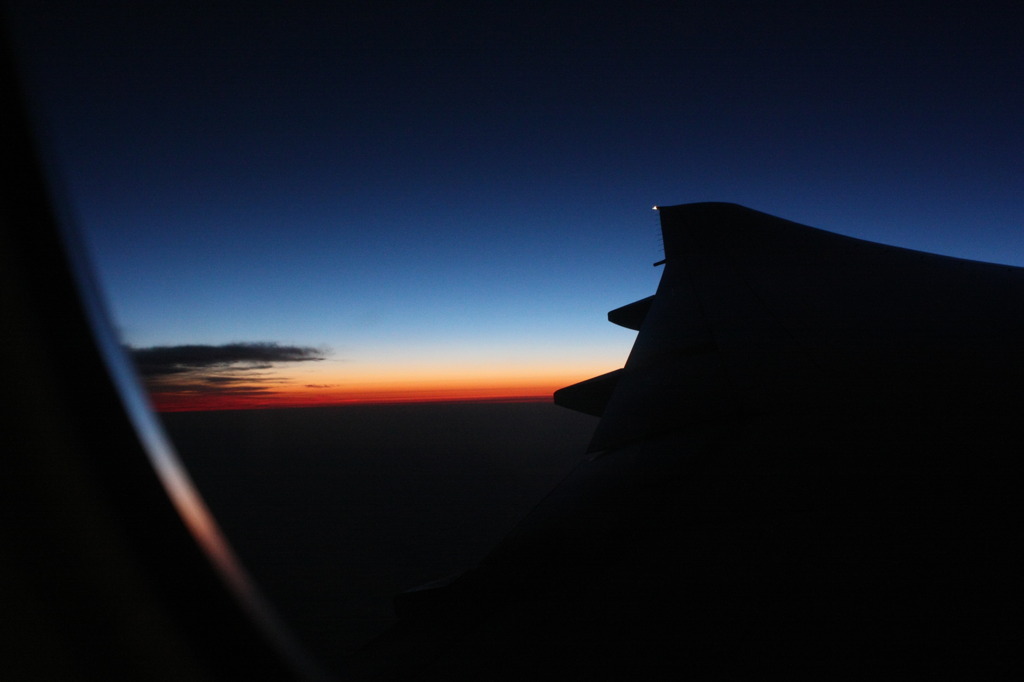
(235, 407)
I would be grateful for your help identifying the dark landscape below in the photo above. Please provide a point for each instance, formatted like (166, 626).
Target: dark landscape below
(335, 510)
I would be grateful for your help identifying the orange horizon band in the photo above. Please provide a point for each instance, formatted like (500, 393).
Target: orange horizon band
(166, 402)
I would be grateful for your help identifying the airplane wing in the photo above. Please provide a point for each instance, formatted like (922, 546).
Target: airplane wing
(808, 466)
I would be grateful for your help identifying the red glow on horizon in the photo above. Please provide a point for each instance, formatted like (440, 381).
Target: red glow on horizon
(321, 389)
(176, 402)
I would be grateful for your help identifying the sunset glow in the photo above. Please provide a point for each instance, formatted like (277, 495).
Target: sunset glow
(168, 402)
(333, 206)
(291, 393)
(262, 375)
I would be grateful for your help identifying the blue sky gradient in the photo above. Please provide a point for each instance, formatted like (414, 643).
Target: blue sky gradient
(402, 183)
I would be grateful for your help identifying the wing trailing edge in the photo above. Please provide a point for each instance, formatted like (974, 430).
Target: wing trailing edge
(590, 396)
(631, 316)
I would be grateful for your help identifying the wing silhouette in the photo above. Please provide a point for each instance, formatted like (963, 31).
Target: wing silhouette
(808, 466)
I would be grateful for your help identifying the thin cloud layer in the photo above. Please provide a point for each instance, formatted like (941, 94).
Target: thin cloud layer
(200, 373)
(164, 360)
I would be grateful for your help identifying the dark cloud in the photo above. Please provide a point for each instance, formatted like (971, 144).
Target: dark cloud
(164, 360)
(221, 380)
(229, 370)
(203, 388)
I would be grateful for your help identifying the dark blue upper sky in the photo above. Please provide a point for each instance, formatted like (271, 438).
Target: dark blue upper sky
(406, 183)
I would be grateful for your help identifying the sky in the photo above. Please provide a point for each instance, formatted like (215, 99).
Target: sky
(301, 203)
